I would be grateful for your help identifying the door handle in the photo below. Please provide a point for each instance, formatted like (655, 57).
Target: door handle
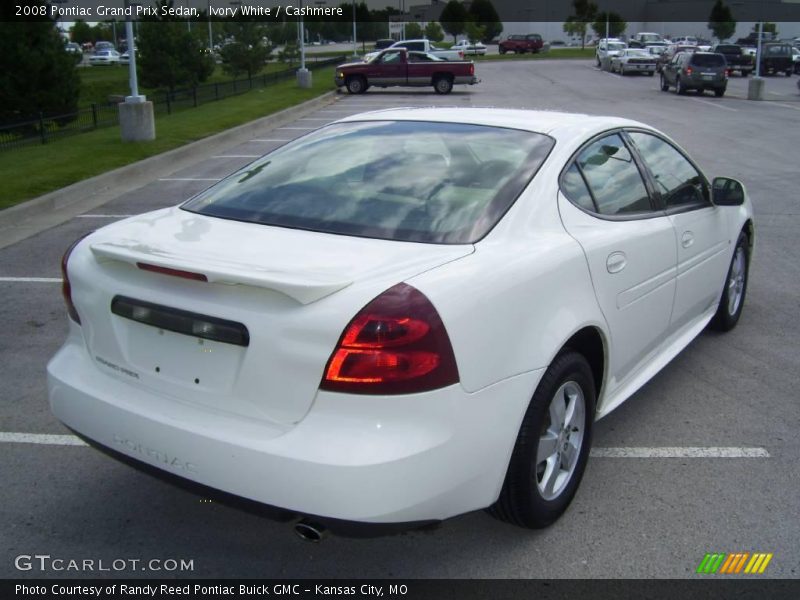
(687, 239)
(616, 261)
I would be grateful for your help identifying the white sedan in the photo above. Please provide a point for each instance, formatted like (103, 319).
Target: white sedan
(470, 48)
(634, 60)
(105, 57)
(402, 316)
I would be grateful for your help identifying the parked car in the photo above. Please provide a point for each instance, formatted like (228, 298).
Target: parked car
(776, 57)
(670, 53)
(520, 44)
(125, 58)
(737, 59)
(75, 50)
(392, 67)
(796, 60)
(468, 48)
(383, 44)
(104, 46)
(634, 60)
(696, 71)
(104, 57)
(640, 40)
(367, 350)
(422, 46)
(608, 49)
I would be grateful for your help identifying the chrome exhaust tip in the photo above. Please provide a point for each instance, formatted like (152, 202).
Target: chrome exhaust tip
(310, 532)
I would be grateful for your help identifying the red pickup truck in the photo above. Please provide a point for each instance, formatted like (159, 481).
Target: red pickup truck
(520, 44)
(401, 67)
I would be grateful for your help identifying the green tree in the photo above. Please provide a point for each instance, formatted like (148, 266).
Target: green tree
(37, 75)
(433, 32)
(81, 32)
(721, 22)
(474, 31)
(453, 18)
(290, 53)
(616, 25)
(584, 12)
(483, 13)
(171, 56)
(771, 29)
(249, 50)
(413, 31)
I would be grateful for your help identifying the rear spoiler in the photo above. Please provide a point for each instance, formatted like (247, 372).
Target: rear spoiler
(304, 287)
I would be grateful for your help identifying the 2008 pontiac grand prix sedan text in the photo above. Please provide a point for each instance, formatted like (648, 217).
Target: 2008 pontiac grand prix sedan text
(403, 316)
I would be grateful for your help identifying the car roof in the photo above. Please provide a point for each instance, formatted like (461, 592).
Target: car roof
(553, 123)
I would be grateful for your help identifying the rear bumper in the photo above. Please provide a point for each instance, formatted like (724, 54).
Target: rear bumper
(422, 457)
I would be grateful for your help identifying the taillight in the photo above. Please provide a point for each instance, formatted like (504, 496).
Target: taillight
(472, 69)
(66, 288)
(727, 72)
(688, 70)
(396, 344)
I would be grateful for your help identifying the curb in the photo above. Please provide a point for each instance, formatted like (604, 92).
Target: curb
(54, 208)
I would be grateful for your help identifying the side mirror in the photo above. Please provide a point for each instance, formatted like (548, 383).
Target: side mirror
(727, 192)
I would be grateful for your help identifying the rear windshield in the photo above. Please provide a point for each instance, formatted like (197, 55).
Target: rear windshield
(729, 49)
(445, 183)
(708, 60)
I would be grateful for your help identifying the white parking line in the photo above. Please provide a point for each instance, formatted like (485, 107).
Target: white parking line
(786, 105)
(680, 452)
(313, 119)
(102, 216)
(237, 156)
(714, 104)
(298, 128)
(189, 179)
(271, 140)
(41, 438)
(632, 452)
(30, 279)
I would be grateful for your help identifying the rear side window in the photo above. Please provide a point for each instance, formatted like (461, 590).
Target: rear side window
(613, 177)
(678, 182)
(708, 60)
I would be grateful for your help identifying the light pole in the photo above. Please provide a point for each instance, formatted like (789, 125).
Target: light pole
(136, 119)
(303, 74)
(210, 37)
(355, 51)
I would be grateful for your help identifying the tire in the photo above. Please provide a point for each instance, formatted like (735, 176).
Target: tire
(788, 73)
(719, 93)
(551, 450)
(733, 294)
(744, 73)
(664, 84)
(679, 88)
(651, 73)
(356, 85)
(502, 50)
(443, 84)
(797, 69)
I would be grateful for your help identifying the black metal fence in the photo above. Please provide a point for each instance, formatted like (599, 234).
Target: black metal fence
(48, 128)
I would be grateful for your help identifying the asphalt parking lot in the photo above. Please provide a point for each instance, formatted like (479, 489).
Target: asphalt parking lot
(637, 514)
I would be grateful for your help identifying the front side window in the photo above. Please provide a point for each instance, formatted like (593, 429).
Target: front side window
(446, 183)
(613, 177)
(678, 182)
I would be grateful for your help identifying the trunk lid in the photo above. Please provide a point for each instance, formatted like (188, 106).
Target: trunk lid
(292, 291)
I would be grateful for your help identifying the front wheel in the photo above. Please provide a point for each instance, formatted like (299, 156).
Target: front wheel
(732, 301)
(552, 447)
(356, 85)
(443, 85)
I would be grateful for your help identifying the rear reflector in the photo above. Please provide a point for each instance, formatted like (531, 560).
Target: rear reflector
(181, 321)
(172, 272)
(396, 344)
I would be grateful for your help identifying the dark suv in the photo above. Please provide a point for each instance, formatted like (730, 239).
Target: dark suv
(699, 71)
(776, 57)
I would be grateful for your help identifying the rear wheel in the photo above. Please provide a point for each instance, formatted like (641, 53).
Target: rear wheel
(732, 301)
(664, 84)
(443, 84)
(356, 85)
(679, 87)
(788, 73)
(552, 447)
(719, 93)
(651, 73)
